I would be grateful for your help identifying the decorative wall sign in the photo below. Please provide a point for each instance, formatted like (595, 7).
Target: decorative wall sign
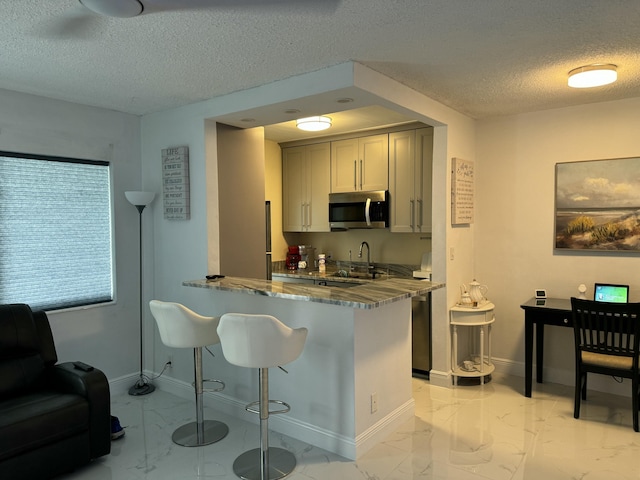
(462, 191)
(175, 183)
(598, 205)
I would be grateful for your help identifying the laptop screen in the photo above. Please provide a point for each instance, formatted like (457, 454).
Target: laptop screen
(606, 292)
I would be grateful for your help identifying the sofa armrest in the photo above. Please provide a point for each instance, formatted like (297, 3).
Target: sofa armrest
(94, 386)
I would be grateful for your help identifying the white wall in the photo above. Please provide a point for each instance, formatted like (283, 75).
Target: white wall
(513, 251)
(104, 336)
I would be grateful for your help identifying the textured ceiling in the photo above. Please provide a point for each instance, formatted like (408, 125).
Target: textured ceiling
(481, 57)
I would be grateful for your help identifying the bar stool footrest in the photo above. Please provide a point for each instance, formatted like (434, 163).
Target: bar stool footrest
(251, 407)
(210, 390)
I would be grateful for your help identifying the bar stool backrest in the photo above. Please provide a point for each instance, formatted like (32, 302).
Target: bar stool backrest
(180, 327)
(259, 341)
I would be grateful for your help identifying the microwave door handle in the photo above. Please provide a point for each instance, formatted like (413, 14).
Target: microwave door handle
(367, 215)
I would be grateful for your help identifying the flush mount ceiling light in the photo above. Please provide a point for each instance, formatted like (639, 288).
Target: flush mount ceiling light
(313, 124)
(593, 75)
(114, 8)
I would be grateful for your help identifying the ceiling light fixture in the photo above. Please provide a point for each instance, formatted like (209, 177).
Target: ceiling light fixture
(114, 8)
(313, 124)
(593, 75)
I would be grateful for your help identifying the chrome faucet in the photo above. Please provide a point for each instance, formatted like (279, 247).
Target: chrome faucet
(368, 254)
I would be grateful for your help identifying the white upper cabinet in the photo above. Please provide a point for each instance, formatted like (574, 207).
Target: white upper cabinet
(306, 184)
(360, 164)
(410, 167)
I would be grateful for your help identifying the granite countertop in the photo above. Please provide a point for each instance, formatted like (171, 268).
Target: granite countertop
(370, 294)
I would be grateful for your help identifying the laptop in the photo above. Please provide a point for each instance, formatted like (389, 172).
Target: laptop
(607, 292)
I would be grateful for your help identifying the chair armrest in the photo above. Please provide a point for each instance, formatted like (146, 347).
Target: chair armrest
(94, 386)
(65, 378)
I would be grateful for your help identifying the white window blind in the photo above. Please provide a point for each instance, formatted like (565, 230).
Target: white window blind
(55, 231)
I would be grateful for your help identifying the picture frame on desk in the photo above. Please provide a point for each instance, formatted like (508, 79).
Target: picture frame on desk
(597, 205)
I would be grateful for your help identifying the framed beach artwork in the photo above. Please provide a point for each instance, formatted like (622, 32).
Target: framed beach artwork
(598, 205)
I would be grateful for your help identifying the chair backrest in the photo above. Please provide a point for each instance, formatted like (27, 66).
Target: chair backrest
(607, 328)
(181, 327)
(26, 348)
(259, 341)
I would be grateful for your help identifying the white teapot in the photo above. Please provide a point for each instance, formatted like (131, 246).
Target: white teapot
(465, 298)
(477, 292)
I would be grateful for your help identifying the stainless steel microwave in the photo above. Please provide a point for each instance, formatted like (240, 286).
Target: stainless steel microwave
(359, 210)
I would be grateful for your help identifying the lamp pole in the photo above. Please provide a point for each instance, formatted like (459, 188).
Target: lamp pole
(140, 200)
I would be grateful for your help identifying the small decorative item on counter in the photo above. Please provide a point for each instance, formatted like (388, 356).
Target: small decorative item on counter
(293, 257)
(322, 266)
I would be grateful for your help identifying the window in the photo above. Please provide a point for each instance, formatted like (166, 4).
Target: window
(55, 231)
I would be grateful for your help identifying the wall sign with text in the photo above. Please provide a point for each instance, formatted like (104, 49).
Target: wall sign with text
(175, 183)
(462, 191)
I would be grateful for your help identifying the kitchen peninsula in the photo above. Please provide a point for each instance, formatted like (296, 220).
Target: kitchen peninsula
(351, 386)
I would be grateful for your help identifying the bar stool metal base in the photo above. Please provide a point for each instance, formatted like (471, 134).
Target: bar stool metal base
(187, 434)
(281, 463)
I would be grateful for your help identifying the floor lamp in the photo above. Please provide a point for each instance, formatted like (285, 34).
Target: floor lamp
(141, 200)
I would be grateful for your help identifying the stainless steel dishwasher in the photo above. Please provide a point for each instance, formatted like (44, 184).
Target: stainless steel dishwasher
(421, 332)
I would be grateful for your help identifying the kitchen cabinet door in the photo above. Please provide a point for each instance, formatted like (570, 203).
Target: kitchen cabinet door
(306, 188)
(402, 181)
(374, 162)
(293, 188)
(424, 177)
(360, 164)
(318, 186)
(344, 165)
(410, 165)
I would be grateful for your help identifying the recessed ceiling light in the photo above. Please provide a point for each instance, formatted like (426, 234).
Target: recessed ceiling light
(313, 124)
(593, 75)
(292, 111)
(247, 120)
(344, 100)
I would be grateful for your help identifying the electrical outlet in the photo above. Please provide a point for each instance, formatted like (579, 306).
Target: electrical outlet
(374, 402)
(169, 361)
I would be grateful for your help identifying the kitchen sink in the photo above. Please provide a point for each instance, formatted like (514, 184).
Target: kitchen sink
(373, 275)
(341, 284)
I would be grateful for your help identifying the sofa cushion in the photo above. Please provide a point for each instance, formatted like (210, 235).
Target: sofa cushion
(34, 420)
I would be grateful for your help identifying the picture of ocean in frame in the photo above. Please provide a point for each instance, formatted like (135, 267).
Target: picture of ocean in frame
(598, 205)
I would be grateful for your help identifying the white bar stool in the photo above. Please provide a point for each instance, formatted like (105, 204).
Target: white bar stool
(261, 341)
(182, 328)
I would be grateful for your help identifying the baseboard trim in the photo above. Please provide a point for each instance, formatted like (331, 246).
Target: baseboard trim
(440, 379)
(566, 377)
(383, 428)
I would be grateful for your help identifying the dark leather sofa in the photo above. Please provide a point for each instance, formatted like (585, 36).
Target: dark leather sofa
(53, 417)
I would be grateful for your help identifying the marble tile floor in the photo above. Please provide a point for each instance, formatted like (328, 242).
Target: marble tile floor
(466, 433)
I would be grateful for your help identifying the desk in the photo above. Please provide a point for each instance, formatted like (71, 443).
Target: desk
(554, 311)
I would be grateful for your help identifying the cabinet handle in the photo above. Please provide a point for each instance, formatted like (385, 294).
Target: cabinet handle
(419, 223)
(355, 174)
(413, 213)
(308, 215)
(360, 174)
(302, 215)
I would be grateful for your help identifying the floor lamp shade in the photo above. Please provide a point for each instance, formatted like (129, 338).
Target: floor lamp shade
(140, 200)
